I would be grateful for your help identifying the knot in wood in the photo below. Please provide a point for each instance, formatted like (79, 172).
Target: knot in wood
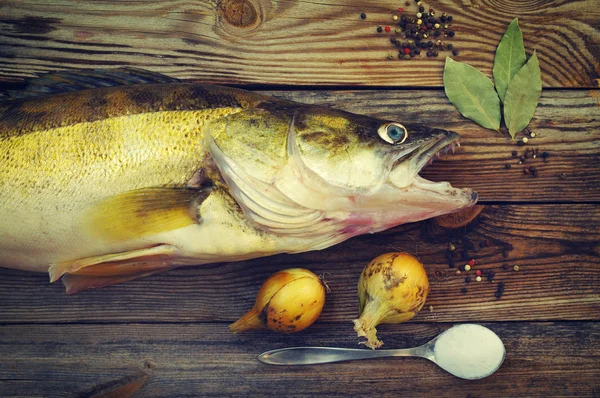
(239, 13)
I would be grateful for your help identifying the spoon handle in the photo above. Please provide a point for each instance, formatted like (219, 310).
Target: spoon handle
(316, 355)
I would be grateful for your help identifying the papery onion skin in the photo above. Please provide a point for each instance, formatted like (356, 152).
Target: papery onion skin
(392, 289)
(287, 302)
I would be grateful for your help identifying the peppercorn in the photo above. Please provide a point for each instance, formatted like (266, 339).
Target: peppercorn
(390, 56)
(501, 286)
(516, 267)
(379, 29)
(490, 275)
(545, 155)
(436, 25)
(450, 33)
(436, 33)
(505, 266)
(478, 272)
(455, 52)
(419, 15)
(478, 279)
(387, 28)
(507, 166)
(363, 15)
(429, 53)
(423, 45)
(417, 52)
(435, 53)
(520, 143)
(449, 19)
(468, 279)
(421, 9)
(449, 47)
(471, 262)
(514, 153)
(467, 267)
(464, 290)
(498, 294)
(525, 140)
(430, 44)
(443, 18)
(406, 50)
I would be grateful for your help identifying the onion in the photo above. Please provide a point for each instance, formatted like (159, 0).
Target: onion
(391, 289)
(288, 301)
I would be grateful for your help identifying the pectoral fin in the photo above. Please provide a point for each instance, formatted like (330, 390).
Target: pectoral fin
(144, 212)
(126, 263)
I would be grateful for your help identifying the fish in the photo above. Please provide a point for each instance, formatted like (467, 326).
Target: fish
(111, 175)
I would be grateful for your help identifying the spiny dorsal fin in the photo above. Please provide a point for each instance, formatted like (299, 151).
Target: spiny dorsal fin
(67, 81)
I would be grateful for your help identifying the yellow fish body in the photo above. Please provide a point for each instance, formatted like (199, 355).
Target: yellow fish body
(107, 184)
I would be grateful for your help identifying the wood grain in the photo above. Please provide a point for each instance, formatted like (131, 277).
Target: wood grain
(567, 124)
(543, 359)
(288, 42)
(556, 247)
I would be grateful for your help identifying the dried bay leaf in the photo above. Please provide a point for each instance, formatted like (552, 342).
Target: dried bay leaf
(472, 93)
(510, 57)
(522, 96)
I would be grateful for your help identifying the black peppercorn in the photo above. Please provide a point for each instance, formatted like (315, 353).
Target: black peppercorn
(435, 53)
(514, 153)
(545, 155)
(430, 44)
(520, 143)
(449, 19)
(455, 52)
(417, 52)
(363, 15)
(507, 166)
(468, 279)
(464, 290)
(421, 9)
(436, 33)
(490, 276)
(429, 53)
(379, 29)
(449, 47)
(498, 294)
(423, 45)
(443, 18)
(450, 33)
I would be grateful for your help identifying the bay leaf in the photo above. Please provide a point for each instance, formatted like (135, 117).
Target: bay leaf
(472, 93)
(522, 96)
(510, 57)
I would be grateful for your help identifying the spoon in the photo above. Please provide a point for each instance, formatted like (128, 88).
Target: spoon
(468, 351)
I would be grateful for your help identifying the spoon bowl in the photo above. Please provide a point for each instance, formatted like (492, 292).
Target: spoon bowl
(468, 351)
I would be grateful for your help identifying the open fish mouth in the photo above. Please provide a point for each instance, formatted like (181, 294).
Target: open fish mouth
(426, 154)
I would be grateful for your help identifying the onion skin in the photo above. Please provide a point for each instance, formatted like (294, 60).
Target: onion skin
(392, 289)
(287, 302)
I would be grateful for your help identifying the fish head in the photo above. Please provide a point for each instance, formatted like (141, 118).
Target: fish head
(313, 171)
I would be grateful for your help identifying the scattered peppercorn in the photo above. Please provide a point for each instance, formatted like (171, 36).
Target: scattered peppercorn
(478, 279)
(363, 15)
(478, 272)
(525, 140)
(464, 290)
(505, 266)
(514, 153)
(490, 275)
(507, 166)
(467, 267)
(516, 267)
(407, 56)
(379, 29)
(435, 53)
(468, 279)
(429, 53)
(387, 28)
(450, 33)
(421, 9)
(532, 134)
(472, 262)
(455, 52)
(520, 143)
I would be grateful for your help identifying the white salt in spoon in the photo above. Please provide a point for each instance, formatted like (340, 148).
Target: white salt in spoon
(467, 351)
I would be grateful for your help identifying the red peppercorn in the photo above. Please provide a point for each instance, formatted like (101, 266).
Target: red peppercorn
(478, 272)
(400, 9)
(387, 28)
(471, 262)
(406, 50)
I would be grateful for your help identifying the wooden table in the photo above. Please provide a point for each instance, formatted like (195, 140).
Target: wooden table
(173, 327)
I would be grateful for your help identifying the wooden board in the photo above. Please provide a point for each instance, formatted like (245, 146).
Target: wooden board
(556, 247)
(288, 42)
(543, 359)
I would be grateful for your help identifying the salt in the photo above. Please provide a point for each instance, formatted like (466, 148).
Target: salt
(469, 351)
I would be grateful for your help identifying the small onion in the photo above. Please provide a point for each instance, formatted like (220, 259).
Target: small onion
(288, 301)
(391, 289)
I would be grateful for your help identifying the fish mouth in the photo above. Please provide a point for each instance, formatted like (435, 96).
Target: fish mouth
(426, 154)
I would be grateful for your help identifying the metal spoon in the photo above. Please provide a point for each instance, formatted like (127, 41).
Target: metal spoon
(478, 352)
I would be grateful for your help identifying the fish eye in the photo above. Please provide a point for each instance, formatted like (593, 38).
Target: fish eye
(394, 133)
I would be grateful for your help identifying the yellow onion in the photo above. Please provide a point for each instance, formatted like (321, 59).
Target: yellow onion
(391, 289)
(288, 301)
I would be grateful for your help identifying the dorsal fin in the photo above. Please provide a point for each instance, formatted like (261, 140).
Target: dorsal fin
(66, 81)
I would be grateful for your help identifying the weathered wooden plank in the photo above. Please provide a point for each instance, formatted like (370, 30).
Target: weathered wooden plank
(567, 124)
(556, 247)
(543, 359)
(287, 42)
